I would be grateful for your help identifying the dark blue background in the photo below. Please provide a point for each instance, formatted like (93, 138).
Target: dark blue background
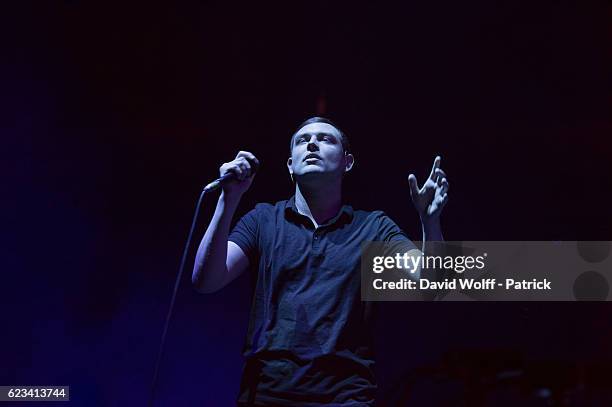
(115, 115)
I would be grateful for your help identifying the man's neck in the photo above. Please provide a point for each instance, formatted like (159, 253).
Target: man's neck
(319, 204)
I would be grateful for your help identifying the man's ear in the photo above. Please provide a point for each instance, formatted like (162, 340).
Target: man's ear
(289, 162)
(350, 161)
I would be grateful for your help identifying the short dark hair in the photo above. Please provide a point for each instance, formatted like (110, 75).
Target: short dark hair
(318, 119)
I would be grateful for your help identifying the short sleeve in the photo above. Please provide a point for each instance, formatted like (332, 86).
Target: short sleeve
(245, 233)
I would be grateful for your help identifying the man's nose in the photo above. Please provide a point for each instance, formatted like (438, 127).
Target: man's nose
(312, 146)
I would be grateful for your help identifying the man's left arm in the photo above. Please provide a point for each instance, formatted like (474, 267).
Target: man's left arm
(429, 200)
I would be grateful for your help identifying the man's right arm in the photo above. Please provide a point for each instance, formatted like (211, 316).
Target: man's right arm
(219, 261)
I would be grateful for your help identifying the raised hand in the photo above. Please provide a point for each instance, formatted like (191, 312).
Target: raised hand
(244, 167)
(431, 198)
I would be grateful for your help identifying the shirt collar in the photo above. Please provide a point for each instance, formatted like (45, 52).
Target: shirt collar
(345, 210)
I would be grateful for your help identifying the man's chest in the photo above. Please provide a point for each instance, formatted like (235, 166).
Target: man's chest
(290, 246)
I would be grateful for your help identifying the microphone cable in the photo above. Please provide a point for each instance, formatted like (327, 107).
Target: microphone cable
(173, 299)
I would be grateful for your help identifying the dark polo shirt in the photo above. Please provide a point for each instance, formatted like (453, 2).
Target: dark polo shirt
(309, 335)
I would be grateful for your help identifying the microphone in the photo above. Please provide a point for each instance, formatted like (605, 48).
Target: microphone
(219, 182)
(229, 176)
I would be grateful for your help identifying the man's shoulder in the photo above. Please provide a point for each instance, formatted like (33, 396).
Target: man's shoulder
(269, 206)
(268, 209)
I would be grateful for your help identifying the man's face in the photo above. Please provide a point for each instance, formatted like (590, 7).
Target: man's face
(317, 150)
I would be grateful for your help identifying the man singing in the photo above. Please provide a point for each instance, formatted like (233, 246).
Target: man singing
(309, 336)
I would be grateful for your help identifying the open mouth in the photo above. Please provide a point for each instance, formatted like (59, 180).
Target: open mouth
(312, 157)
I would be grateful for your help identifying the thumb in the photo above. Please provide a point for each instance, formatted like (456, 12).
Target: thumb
(414, 188)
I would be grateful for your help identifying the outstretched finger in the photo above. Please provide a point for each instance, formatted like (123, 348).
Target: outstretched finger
(436, 165)
(414, 187)
(444, 185)
(438, 178)
(440, 174)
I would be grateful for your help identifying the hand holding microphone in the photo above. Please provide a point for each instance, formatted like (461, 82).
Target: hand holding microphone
(237, 175)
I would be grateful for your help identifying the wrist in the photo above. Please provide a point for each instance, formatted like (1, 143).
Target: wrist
(229, 200)
(432, 230)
